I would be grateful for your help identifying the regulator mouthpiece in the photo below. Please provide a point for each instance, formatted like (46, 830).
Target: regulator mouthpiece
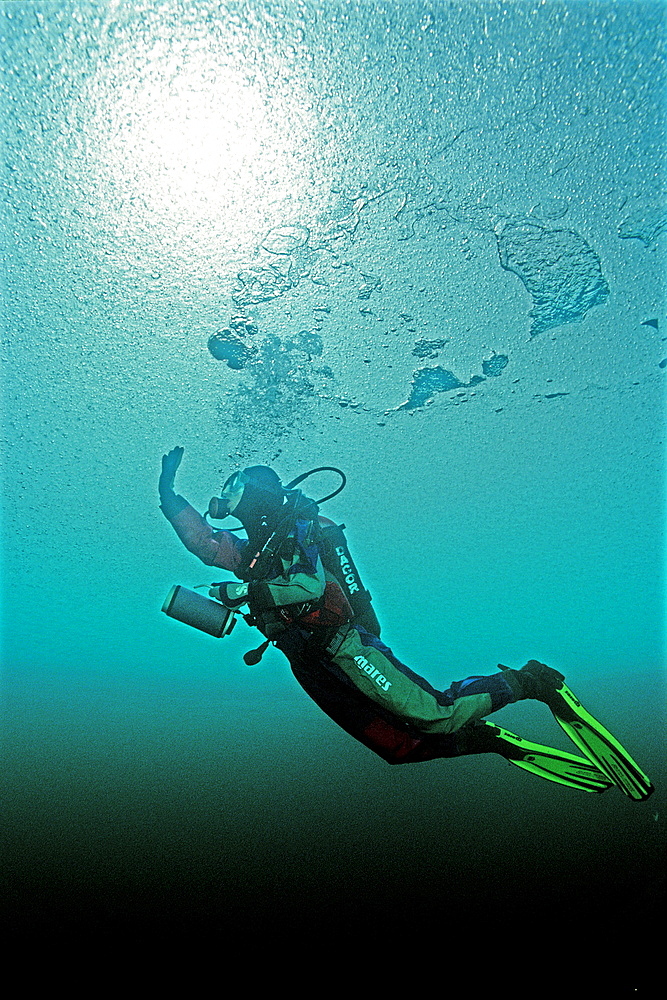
(218, 508)
(230, 497)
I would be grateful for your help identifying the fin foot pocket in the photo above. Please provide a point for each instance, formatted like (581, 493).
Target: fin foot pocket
(546, 762)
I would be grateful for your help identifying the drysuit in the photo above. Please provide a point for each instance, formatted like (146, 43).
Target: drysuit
(346, 669)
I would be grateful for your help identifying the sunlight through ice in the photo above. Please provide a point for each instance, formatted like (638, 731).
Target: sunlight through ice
(197, 146)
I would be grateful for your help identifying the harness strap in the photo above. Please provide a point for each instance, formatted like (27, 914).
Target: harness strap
(259, 564)
(337, 640)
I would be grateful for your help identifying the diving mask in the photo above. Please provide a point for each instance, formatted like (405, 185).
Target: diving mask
(230, 496)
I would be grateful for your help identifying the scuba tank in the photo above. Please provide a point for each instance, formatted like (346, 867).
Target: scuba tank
(337, 560)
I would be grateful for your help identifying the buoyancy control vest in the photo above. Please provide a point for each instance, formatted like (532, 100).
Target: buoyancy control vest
(333, 550)
(336, 558)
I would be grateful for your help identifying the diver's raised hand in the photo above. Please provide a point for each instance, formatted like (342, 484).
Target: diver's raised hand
(170, 463)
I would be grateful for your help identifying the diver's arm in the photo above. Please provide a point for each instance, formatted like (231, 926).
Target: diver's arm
(263, 595)
(302, 578)
(220, 549)
(295, 586)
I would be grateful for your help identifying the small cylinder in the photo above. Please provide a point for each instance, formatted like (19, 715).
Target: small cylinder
(194, 609)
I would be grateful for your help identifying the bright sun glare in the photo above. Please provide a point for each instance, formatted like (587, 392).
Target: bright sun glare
(188, 150)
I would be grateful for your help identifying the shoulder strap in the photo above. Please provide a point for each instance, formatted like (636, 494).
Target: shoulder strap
(257, 564)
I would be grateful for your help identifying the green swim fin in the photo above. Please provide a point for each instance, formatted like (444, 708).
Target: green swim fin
(598, 744)
(547, 762)
(543, 683)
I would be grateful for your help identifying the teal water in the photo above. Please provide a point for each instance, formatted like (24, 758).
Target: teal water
(431, 238)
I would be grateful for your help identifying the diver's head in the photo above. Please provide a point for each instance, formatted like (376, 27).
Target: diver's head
(253, 496)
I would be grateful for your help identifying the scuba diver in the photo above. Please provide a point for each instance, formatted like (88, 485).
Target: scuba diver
(302, 590)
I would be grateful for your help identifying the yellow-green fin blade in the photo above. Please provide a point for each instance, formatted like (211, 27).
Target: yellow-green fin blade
(546, 762)
(598, 744)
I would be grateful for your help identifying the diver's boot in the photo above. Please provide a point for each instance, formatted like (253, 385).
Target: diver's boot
(536, 680)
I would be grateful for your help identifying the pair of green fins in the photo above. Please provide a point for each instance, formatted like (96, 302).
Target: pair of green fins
(607, 763)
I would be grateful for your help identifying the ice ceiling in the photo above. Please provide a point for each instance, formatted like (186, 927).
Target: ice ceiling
(382, 208)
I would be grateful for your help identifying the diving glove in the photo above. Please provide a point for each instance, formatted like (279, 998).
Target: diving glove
(170, 463)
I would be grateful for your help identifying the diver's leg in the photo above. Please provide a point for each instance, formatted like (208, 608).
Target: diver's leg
(368, 721)
(382, 678)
